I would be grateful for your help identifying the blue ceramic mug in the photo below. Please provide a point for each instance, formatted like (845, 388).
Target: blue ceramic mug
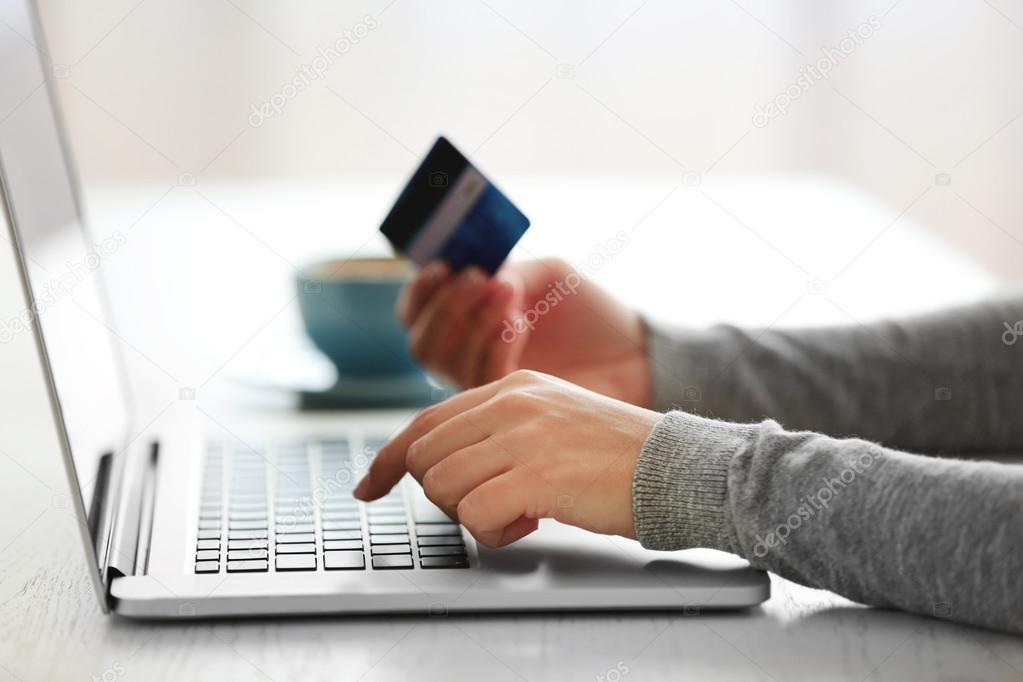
(348, 309)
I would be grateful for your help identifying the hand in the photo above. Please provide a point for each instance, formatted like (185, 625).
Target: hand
(473, 330)
(502, 456)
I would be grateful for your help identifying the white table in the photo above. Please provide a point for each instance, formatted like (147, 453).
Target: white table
(210, 276)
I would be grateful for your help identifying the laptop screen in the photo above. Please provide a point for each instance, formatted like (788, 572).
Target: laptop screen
(64, 264)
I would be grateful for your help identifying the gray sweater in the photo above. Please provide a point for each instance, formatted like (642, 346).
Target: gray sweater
(744, 465)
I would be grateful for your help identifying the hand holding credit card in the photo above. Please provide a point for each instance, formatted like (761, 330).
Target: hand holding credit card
(449, 211)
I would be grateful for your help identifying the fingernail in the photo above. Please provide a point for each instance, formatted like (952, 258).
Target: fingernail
(360, 490)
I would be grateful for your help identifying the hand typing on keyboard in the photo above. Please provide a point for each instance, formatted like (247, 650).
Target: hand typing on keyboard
(529, 446)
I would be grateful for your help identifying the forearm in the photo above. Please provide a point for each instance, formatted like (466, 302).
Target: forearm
(878, 526)
(940, 382)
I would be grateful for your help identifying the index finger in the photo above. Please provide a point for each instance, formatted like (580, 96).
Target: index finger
(389, 464)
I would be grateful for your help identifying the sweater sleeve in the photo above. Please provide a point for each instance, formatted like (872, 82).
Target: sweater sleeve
(940, 537)
(947, 382)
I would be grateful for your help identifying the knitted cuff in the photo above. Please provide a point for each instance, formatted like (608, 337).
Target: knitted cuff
(680, 488)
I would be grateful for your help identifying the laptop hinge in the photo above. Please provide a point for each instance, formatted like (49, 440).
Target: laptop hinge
(131, 507)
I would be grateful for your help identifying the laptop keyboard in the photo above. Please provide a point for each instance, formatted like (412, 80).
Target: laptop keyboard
(288, 506)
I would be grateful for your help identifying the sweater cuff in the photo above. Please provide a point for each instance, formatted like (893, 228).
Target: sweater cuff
(680, 488)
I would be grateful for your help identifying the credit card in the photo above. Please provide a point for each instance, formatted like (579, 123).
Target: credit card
(451, 212)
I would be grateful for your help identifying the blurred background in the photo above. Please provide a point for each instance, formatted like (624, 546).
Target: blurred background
(772, 163)
(634, 88)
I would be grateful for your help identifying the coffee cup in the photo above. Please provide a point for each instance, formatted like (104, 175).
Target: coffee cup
(348, 308)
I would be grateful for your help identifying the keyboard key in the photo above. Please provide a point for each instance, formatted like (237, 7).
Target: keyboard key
(294, 516)
(444, 562)
(354, 524)
(247, 487)
(340, 516)
(294, 499)
(339, 513)
(296, 502)
(207, 567)
(209, 524)
(209, 534)
(247, 507)
(340, 505)
(249, 501)
(300, 548)
(296, 562)
(334, 561)
(247, 525)
(391, 549)
(244, 554)
(246, 534)
(341, 544)
(342, 534)
(428, 529)
(424, 511)
(253, 566)
(440, 541)
(208, 555)
(254, 515)
(289, 529)
(295, 538)
(392, 561)
(383, 508)
(389, 539)
(208, 544)
(296, 513)
(247, 544)
(450, 550)
(387, 529)
(299, 444)
(386, 518)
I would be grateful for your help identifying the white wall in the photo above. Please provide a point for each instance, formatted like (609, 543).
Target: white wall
(159, 88)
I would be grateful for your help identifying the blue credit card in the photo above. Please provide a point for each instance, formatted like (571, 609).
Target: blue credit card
(451, 212)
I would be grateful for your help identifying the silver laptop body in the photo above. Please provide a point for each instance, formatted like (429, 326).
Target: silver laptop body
(178, 523)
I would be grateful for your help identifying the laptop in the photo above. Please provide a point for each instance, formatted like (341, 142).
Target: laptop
(177, 523)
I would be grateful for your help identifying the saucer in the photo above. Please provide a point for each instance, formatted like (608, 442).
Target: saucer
(292, 364)
(409, 390)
